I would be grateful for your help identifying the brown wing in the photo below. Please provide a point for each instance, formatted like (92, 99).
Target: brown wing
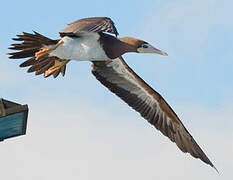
(94, 24)
(121, 80)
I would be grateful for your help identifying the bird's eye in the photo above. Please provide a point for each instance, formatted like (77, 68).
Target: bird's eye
(145, 46)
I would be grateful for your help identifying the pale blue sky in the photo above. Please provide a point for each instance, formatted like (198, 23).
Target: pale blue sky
(78, 129)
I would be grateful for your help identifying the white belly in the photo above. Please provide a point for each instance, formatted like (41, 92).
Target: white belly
(81, 48)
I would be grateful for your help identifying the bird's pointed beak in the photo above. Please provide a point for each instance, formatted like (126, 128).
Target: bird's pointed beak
(157, 51)
(152, 49)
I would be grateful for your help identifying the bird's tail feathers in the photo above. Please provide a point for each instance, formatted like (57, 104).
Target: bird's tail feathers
(29, 47)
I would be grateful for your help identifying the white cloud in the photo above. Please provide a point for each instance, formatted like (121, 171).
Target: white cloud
(71, 139)
(184, 27)
(180, 22)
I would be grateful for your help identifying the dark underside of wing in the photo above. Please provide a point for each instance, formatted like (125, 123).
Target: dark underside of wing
(94, 24)
(121, 80)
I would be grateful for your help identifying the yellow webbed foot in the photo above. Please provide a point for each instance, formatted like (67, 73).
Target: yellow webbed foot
(41, 53)
(58, 65)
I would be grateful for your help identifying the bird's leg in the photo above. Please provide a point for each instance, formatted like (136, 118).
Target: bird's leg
(57, 65)
(46, 51)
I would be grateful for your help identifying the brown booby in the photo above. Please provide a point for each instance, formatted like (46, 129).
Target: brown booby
(93, 39)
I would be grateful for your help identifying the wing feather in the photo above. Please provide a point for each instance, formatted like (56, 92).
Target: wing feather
(94, 24)
(117, 76)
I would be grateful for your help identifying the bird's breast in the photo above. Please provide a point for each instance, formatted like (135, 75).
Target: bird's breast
(80, 48)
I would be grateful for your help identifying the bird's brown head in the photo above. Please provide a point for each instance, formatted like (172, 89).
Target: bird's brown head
(140, 46)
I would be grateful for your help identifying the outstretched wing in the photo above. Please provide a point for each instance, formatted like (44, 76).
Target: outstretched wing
(117, 76)
(94, 24)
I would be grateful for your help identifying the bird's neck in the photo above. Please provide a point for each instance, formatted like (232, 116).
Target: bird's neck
(115, 47)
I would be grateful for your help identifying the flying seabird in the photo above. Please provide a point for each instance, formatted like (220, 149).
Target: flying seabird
(95, 39)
